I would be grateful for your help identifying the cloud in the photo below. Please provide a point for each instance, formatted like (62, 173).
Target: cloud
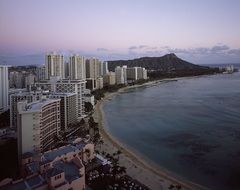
(219, 49)
(102, 49)
(142, 46)
(234, 52)
(133, 47)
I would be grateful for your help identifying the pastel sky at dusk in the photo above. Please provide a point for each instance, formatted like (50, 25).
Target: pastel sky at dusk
(200, 31)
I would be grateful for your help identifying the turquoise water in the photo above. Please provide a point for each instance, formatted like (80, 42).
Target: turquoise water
(190, 127)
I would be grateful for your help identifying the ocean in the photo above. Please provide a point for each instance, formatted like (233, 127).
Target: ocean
(190, 127)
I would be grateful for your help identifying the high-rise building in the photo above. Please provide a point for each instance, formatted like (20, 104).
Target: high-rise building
(4, 85)
(41, 73)
(37, 125)
(29, 80)
(67, 86)
(77, 70)
(109, 79)
(68, 109)
(18, 97)
(17, 79)
(54, 66)
(104, 68)
(67, 70)
(121, 74)
(141, 73)
(92, 68)
(132, 73)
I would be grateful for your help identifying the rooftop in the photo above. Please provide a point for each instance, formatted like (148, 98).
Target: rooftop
(53, 172)
(29, 183)
(51, 155)
(39, 104)
(33, 167)
(70, 169)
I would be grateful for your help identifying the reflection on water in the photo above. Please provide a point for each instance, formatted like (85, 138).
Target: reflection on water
(190, 127)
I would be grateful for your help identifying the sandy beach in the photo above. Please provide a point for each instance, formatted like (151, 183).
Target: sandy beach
(137, 167)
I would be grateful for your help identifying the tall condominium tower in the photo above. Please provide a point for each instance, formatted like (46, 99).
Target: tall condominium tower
(93, 68)
(104, 68)
(3, 88)
(41, 73)
(54, 66)
(77, 70)
(121, 74)
(37, 125)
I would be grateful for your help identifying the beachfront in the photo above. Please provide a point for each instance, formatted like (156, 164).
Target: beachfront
(137, 167)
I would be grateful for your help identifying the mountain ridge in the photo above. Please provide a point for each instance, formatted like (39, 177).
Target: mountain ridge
(166, 62)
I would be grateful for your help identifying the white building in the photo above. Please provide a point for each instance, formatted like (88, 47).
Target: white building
(104, 69)
(77, 67)
(4, 86)
(132, 73)
(54, 66)
(29, 80)
(99, 83)
(41, 73)
(38, 124)
(93, 68)
(68, 109)
(141, 73)
(121, 74)
(17, 79)
(109, 79)
(67, 86)
(18, 97)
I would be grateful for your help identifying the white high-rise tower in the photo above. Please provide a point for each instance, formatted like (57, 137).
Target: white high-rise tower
(3, 88)
(77, 70)
(54, 66)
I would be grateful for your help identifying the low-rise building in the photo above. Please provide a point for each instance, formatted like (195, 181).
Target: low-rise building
(60, 169)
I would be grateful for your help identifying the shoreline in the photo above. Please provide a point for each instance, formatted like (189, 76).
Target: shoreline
(138, 167)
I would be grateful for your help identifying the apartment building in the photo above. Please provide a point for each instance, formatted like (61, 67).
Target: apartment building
(68, 109)
(4, 88)
(18, 97)
(37, 125)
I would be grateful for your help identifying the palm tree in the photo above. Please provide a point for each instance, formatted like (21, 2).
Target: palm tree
(178, 187)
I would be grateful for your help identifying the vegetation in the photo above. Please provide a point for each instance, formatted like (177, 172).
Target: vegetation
(99, 93)
(165, 63)
(5, 119)
(9, 160)
(88, 107)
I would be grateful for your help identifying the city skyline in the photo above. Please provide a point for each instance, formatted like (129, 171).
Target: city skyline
(201, 32)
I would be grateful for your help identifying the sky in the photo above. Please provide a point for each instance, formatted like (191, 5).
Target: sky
(199, 31)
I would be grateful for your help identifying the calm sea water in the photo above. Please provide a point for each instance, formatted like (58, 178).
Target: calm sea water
(190, 127)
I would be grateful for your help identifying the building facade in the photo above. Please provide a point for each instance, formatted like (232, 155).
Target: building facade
(109, 79)
(54, 66)
(132, 73)
(104, 68)
(41, 73)
(93, 68)
(4, 88)
(141, 73)
(59, 169)
(121, 74)
(77, 67)
(37, 125)
(68, 109)
(18, 97)
(67, 86)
